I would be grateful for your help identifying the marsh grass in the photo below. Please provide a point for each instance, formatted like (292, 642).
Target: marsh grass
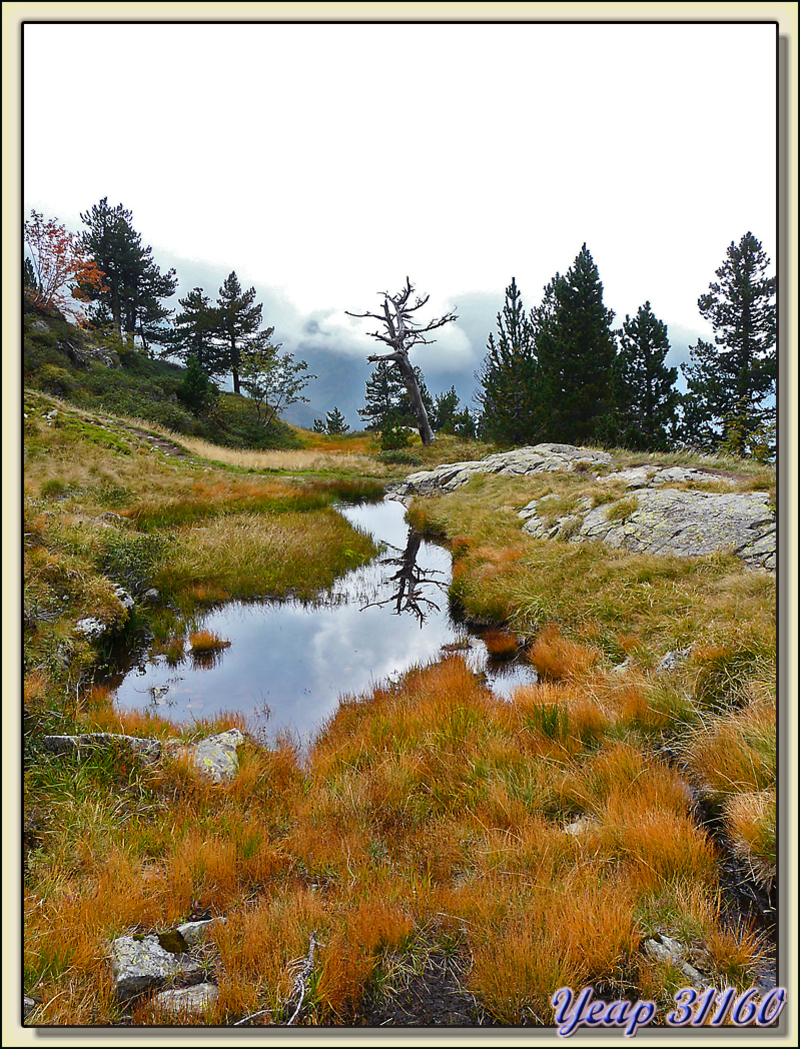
(427, 817)
(500, 644)
(206, 641)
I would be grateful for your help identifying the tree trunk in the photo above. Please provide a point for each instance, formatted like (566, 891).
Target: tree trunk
(414, 396)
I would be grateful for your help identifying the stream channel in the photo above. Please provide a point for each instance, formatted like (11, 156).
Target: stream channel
(289, 662)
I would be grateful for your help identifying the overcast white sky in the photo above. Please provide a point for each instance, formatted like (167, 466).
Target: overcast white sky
(324, 163)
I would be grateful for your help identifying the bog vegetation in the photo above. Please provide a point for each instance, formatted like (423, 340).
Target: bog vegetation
(532, 844)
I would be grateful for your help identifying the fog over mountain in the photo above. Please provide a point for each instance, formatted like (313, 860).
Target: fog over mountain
(335, 346)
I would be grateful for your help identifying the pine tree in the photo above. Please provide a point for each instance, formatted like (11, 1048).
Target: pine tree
(646, 397)
(387, 402)
(335, 422)
(239, 320)
(508, 374)
(133, 285)
(573, 397)
(729, 382)
(197, 391)
(445, 411)
(196, 327)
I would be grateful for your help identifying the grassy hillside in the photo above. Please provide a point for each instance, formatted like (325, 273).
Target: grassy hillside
(435, 837)
(141, 387)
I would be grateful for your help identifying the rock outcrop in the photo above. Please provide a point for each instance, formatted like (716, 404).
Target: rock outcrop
(654, 517)
(141, 964)
(670, 522)
(517, 463)
(146, 963)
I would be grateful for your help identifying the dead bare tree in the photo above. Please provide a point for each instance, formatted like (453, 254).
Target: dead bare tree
(402, 332)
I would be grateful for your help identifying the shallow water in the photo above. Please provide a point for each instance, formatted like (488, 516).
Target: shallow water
(289, 662)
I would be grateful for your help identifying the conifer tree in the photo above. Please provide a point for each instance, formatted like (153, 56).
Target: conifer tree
(646, 396)
(335, 422)
(387, 402)
(445, 411)
(195, 333)
(573, 397)
(729, 382)
(133, 285)
(239, 320)
(197, 390)
(508, 374)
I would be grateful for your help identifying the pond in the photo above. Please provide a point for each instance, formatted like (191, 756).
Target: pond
(290, 662)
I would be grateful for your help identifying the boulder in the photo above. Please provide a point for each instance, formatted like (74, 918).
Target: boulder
(140, 964)
(216, 756)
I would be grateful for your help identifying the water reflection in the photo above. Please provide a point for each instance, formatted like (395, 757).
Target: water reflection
(411, 582)
(294, 660)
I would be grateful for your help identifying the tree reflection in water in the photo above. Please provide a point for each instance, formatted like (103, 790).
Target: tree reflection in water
(410, 582)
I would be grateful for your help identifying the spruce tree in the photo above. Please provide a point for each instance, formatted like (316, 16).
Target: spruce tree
(239, 320)
(729, 382)
(508, 374)
(573, 396)
(646, 397)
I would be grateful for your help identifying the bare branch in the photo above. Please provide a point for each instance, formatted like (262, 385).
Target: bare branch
(301, 980)
(383, 357)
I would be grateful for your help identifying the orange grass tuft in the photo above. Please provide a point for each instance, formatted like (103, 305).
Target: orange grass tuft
(35, 688)
(750, 821)
(525, 946)
(557, 658)
(206, 641)
(500, 644)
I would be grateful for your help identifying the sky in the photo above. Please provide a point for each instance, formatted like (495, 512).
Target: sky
(324, 163)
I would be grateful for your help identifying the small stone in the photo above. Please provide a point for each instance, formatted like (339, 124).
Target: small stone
(672, 660)
(187, 999)
(91, 627)
(580, 826)
(194, 932)
(124, 597)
